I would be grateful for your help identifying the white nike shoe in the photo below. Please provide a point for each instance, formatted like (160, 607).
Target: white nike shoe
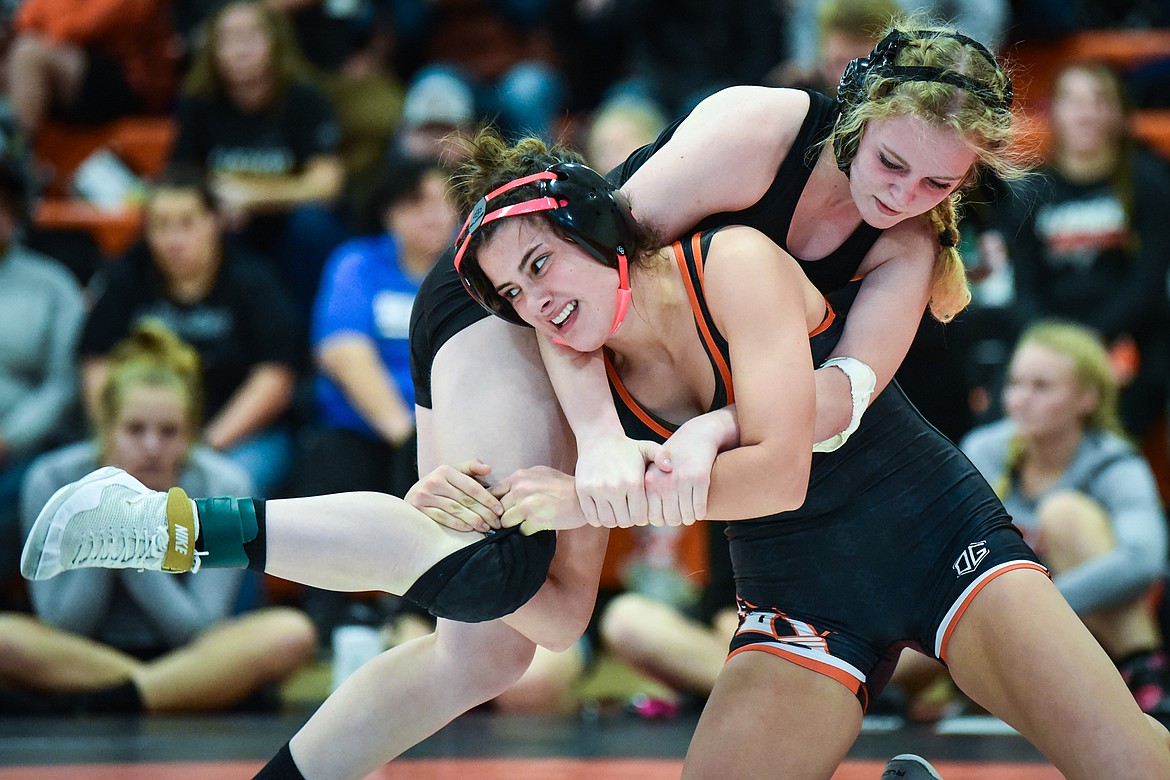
(110, 520)
(909, 767)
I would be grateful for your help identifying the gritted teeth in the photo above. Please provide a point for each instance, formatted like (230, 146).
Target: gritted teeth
(564, 313)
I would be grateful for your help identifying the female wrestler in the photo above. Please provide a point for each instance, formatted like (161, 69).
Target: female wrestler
(727, 154)
(722, 317)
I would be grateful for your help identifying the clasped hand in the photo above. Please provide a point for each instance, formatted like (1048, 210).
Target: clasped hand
(626, 482)
(620, 483)
(461, 498)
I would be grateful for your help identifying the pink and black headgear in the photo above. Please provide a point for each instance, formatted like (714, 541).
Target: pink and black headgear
(580, 204)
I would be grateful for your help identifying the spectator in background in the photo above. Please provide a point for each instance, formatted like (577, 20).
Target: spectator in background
(680, 643)
(1083, 496)
(230, 308)
(435, 108)
(499, 49)
(617, 128)
(87, 61)
(267, 140)
(349, 46)
(40, 318)
(983, 20)
(361, 320)
(681, 51)
(108, 641)
(1088, 239)
(364, 437)
(846, 30)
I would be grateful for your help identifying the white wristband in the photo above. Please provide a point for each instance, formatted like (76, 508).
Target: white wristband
(862, 381)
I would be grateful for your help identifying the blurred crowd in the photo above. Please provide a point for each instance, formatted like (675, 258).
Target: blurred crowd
(252, 339)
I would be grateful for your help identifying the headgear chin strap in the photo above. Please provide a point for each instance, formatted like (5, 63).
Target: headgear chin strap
(578, 201)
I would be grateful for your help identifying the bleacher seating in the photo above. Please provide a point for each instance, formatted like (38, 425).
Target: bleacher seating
(143, 143)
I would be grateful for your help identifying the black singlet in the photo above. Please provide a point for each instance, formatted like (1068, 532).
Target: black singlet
(898, 529)
(772, 213)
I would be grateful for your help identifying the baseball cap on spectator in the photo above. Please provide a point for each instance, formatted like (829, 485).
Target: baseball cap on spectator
(438, 99)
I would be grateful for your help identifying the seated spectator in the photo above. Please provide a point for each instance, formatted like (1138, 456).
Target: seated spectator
(435, 108)
(349, 47)
(681, 643)
(1083, 497)
(267, 140)
(364, 392)
(1088, 240)
(124, 641)
(619, 127)
(499, 49)
(230, 308)
(89, 61)
(364, 435)
(40, 318)
(846, 30)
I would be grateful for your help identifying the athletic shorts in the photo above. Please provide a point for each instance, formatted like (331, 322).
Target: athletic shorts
(897, 533)
(845, 633)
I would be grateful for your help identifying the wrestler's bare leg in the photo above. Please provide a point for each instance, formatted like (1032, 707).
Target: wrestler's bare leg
(1020, 651)
(488, 389)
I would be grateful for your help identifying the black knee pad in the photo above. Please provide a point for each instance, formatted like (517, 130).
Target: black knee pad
(486, 580)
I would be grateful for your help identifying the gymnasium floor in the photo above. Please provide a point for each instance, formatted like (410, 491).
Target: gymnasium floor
(597, 744)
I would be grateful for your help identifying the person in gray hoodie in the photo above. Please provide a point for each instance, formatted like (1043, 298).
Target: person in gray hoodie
(1083, 496)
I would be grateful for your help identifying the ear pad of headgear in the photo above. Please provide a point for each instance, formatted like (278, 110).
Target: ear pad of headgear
(851, 88)
(592, 215)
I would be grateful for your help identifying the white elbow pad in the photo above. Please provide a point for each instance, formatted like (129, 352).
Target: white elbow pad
(862, 381)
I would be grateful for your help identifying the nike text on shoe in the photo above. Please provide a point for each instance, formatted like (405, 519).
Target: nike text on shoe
(909, 767)
(108, 519)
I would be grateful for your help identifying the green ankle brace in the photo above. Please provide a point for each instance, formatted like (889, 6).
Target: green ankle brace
(225, 524)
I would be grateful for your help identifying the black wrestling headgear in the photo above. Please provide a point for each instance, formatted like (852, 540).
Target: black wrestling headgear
(580, 203)
(881, 61)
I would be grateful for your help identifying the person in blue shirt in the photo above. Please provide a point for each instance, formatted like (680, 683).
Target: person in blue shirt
(364, 396)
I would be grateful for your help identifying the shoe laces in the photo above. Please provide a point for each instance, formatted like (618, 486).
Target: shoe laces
(116, 546)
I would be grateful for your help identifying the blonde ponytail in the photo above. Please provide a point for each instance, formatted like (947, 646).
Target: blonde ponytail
(949, 293)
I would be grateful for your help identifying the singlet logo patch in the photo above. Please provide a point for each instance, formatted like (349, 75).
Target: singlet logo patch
(784, 629)
(971, 558)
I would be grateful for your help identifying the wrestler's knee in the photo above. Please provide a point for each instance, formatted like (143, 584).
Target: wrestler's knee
(482, 660)
(487, 580)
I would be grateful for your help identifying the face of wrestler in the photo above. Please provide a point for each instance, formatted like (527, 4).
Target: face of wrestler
(1043, 396)
(554, 285)
(150, 436)
(905, 167)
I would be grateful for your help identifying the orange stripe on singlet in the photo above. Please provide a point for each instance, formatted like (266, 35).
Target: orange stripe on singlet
(712, 347)
(633, 405)
(950, 629)
(820, 667)
(830, 315)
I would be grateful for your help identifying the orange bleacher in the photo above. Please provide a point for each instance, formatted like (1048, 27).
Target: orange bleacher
(142, 142)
